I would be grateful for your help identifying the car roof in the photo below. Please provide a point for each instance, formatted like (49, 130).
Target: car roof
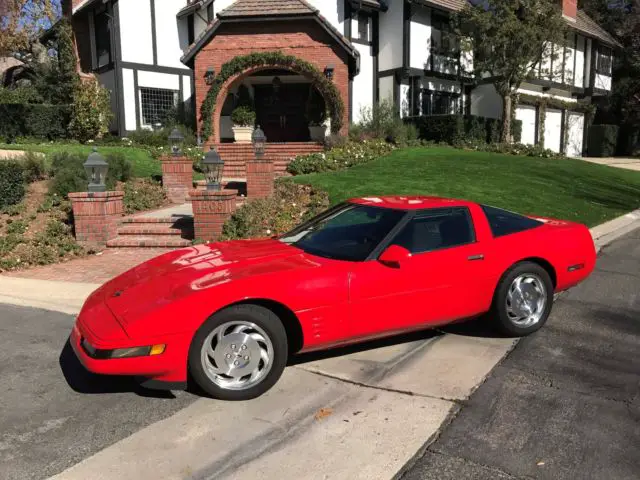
(410, 202)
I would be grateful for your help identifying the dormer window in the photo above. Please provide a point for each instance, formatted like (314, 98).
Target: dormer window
(604, 60)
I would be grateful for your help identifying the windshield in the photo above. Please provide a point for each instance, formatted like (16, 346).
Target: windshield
(346, 232)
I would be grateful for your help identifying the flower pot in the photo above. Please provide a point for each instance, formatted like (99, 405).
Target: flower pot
(242, 134)
(317, 133)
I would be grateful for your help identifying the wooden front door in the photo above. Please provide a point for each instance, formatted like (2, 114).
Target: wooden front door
(281, 113)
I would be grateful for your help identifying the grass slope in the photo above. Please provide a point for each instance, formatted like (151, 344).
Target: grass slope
(567, 189)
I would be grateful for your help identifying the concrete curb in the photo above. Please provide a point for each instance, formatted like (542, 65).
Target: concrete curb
(65, 297)
(607, 232)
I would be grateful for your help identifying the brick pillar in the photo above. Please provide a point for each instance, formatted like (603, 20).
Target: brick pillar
(260, 178)
(177, 177)
(210, 210)
(96, 216)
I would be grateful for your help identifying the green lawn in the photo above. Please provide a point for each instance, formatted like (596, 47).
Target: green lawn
(567, 189)
(144, 165)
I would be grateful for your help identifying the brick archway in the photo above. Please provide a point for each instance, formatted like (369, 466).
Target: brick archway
(227, 86)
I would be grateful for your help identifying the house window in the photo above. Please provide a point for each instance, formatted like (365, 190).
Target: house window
(210, 13)
(363, 21)
(440, 103)
(156, 104)
(102, 33)
(448, 44)
(190, 29)
(604, 61)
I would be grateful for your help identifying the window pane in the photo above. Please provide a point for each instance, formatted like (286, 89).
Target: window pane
(503, 222)
(436, 230)
(156, 104)
(363, 27)
(349, 232)
(102, 30)
(190, 29)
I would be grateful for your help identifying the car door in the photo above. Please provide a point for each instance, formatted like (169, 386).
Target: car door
(437, 284)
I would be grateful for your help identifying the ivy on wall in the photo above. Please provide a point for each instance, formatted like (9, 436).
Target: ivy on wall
(239, 64)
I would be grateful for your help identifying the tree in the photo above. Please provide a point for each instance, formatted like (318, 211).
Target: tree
(21, 21)
(510, 39)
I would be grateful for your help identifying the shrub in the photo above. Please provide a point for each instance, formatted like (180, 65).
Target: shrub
(453, 129)
(160, 138)
(11, 182)
(143, 195)
(90, 111)
(34, 167)
(290, 205)
(383, 123)
(349, 155)
(120, 169)
(629, 139)
(602, 140)
(243, 117)
(40, 121)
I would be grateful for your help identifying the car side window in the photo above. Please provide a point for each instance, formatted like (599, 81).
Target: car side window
(437, 229)
(503, 222)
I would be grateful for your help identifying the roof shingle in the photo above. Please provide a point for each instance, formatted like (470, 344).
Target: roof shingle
(268, 8)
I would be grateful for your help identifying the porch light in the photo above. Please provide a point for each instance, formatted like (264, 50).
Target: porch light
(328, 71)
(276, 84)
(213, 166)
(209, 76)
(96, 168)
(259, 141)
(175, 141)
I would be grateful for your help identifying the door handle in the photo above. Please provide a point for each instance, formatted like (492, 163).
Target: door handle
(471, 258)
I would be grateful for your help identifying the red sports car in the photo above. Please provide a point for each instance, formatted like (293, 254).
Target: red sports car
(229, 314)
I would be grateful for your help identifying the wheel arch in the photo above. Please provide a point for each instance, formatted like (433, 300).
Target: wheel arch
(544, 264)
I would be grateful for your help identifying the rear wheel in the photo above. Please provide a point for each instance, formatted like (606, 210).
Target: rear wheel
(523, 300)
(239, 353)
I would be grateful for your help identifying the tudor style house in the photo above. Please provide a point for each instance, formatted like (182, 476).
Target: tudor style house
(159, 55)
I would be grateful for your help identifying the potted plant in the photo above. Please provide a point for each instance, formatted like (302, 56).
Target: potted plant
(244, 119)
(316, 116)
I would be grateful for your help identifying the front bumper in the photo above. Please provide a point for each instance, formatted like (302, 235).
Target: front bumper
(170, 366)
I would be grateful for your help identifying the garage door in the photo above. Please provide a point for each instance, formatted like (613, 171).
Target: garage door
(575, 132)
(527, 115)
(553, 130)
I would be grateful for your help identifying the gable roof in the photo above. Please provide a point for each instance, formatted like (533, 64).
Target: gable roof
(192, 6)
(583, 24)
(252, 10)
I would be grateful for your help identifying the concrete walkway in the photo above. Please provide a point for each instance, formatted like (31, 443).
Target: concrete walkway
(618, 162)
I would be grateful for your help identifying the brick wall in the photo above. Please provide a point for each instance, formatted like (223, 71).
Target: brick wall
(304, 39)
(177, 177)
(260, 178)
(210, 211)
(96, 216)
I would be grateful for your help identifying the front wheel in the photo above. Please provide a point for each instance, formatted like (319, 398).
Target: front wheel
(523, 300)
(239, 353)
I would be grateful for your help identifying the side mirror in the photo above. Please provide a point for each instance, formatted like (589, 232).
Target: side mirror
(394, 255)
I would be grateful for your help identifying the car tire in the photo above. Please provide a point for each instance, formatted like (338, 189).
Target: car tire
(512, 301)
(232, 347)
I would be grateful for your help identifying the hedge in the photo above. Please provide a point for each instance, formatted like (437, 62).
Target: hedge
(602, 140)
(11, 182)
(453, 128)
(629, 139)
(41, 121)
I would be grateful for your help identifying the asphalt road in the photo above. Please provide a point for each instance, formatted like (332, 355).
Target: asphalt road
(565, 404)
(54, 413)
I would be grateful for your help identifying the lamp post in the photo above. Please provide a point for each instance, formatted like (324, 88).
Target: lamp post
(96, 168)
(213, 166)
(259, 141)
(175, 142)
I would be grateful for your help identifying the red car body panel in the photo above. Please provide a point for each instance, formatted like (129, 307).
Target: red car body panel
(166, 299)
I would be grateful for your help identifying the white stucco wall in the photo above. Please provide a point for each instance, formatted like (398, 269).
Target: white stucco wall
(527, 115)
(420, 37)
(363, 83)
(135, 31)
(552, 130)
(385, 89)
(575, 134)
(167, 38)
(579, 77)
(486, 102)
(200, 21)
(390, 38)
(129, 96)
(159, 80)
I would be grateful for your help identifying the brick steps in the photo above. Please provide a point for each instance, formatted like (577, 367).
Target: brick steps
(149, 229)
(155, 241)
(153, 232)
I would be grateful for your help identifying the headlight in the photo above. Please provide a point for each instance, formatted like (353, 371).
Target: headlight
(129, 352)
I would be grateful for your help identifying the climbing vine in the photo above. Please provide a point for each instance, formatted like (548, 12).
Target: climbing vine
(237, 65)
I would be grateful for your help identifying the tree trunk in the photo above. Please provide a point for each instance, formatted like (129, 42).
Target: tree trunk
(505, 136)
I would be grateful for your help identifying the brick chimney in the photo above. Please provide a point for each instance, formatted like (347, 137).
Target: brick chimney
(570, 9)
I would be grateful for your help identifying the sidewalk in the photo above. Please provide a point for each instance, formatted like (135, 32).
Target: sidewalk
(617, 162)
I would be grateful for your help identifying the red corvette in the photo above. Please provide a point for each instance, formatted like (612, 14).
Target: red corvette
(229, 314)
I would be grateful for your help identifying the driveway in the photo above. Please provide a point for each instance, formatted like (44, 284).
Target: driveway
(565, 404)
(618, 162)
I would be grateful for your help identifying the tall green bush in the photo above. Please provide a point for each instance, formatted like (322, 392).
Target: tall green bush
(602, 140)
(457, 128)
(383, 123)
(11, 182)
(90, 111)
(48, 122)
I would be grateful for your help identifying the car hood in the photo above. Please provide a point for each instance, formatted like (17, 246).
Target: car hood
(170, 276)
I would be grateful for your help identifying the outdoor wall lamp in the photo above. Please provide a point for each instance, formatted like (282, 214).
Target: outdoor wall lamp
(213, 166)
(96, 168)
(328, 71)
(209, 76)
(259, 141)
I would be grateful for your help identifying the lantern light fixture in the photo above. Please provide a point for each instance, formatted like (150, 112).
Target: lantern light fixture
(328, 71)
(96, 168)
(175, 142)
(213, 166)
(259, 141)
